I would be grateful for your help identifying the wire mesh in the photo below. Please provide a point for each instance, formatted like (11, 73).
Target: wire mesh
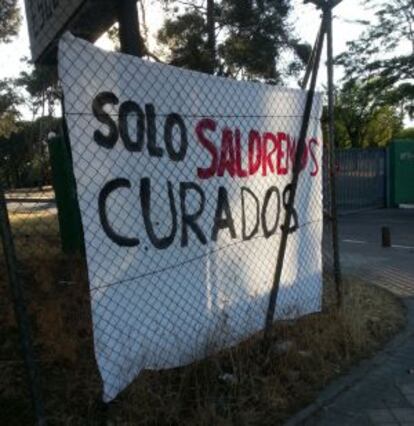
(215, 271)
(164, 298)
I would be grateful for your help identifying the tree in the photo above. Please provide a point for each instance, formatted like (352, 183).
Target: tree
(185, 36)
(363, 118)
(373, 54)
(113, 32)
(23, 153)
(258, 32)
(41, 85)
(407, 133)
(9, 101)
(237, 38)
(9, 26)
(9, 20)
(384, 125)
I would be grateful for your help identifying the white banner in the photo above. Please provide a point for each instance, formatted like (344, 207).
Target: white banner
(180, 178)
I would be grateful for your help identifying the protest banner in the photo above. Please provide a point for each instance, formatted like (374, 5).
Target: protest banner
(180, 181)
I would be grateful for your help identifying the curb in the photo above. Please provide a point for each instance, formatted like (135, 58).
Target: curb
(356, 374)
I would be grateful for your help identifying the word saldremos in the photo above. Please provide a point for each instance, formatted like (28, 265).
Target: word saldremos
(267, 152)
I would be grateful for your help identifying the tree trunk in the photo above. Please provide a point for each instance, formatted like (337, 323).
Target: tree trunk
(211, 36)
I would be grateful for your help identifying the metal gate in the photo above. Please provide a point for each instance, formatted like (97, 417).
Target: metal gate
(361, 179)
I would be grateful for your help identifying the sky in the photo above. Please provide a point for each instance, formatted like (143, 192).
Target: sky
(305, 17)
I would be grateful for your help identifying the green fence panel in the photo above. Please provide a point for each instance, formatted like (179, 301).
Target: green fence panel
(402, 171)
(71, 233)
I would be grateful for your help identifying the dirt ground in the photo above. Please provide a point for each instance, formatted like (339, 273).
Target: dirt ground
(251, 384)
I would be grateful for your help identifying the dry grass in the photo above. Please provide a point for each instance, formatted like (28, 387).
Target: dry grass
(36, 234)
(264, 386)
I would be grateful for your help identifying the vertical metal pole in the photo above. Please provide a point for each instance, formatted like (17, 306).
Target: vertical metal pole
(20, 311)
(332, 156)
(309, 66)
(293, 185)
(387, 177)
(129, 33)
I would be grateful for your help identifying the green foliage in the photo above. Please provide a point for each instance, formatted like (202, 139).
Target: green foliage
(372, 55)
(9, 101)
(9, 20)
(9, 26)
(384, 125)
(24, 155)
(186, 37)
(407, 133)
(237, 38)
(40, 84)
(363, 118)
(256, 34)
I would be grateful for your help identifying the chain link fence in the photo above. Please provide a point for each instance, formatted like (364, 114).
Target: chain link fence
(170, 235)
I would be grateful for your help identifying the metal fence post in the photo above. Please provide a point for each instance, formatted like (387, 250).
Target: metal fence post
(20, 311)
(387, 176)
(331, 153)
(64, 185)
(291, 193)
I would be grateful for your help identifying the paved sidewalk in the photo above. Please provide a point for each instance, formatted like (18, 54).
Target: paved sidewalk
(379, 391)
